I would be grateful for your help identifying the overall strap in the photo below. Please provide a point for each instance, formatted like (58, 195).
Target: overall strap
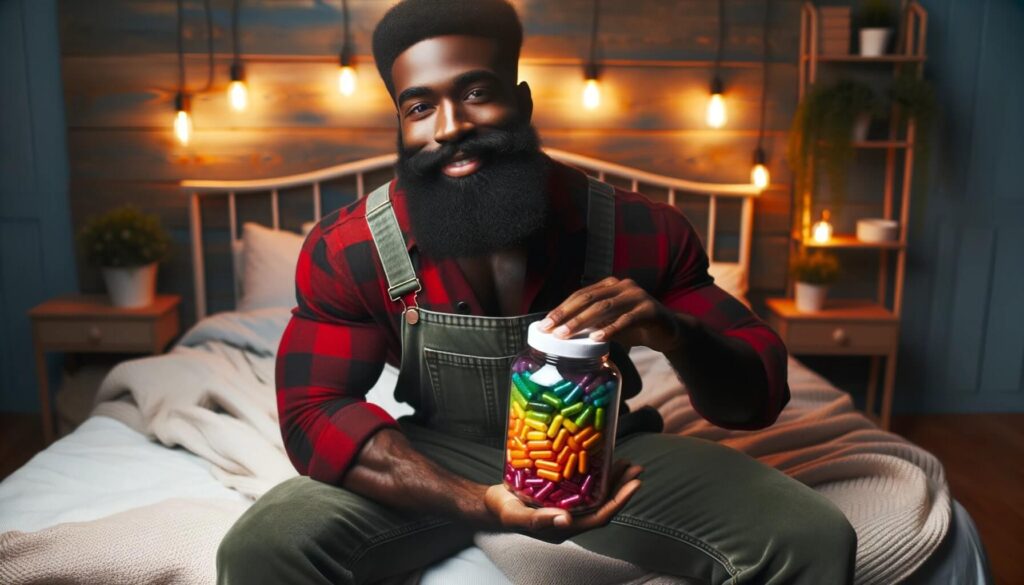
(600, 231)
(391, 248)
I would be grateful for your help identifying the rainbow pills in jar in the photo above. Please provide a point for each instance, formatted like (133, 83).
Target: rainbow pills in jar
(562, 414)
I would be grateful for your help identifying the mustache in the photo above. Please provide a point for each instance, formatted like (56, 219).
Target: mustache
(510, 141)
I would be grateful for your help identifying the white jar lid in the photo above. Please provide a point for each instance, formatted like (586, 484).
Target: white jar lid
(578, 345)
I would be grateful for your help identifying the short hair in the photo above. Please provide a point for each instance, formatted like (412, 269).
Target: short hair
(412, 21)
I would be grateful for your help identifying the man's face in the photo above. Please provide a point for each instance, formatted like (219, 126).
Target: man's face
(448, 88)
(468, 157)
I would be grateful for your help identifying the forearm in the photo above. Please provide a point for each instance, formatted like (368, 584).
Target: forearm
(725, 378)
(390, 471)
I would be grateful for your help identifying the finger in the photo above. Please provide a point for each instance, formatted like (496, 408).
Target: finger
(611, 507)
(513, 513)
(605, 308)
(621, 323)
(576, 301)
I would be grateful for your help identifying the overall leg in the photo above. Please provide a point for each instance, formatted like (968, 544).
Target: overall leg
(712, 514)
(306, 531)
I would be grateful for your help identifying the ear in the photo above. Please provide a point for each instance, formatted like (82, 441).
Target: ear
(524, 99)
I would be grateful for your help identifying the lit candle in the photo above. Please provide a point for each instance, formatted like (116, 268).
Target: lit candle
(238, 93)
(591, 89)
(346, 73)
(821, 231)
(715, 115)
(759, 175)
(182, 119)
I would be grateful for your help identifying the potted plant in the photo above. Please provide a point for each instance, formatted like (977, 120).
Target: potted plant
(876, 19)
(127, 245)
(813, 273)
(822, 130)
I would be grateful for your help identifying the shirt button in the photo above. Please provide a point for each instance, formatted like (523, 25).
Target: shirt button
(462, 307)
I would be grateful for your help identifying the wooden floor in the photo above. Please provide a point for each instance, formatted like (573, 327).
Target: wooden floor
(983, 455)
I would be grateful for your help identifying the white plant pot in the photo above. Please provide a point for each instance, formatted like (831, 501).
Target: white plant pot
(810, 298)
(874, 41)
(861, 127)
(130, 287)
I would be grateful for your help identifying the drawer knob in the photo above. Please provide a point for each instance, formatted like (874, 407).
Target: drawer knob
(839, 336)
(95, 333)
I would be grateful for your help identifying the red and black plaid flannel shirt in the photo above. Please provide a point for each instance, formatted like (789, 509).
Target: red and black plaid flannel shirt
(345, 326)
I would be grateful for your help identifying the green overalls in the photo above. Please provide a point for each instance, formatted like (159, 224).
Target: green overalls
(704, 511)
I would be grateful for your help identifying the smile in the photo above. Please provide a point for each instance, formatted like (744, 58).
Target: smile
(462, 166)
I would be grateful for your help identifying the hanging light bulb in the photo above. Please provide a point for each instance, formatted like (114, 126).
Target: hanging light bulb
(183, 118)
(346, 73)
(238, 93)
(591, 88)
(821, 231)
(715, 115)
(759, 175)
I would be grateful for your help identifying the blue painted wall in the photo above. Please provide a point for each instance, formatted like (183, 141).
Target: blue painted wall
(963, 330)
(36, 255)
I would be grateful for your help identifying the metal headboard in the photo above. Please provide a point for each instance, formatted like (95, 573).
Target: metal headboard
(359, 169)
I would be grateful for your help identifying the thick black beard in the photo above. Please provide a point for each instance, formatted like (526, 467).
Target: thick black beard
(500, 206)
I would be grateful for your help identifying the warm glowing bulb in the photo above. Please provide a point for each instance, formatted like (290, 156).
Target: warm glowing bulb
(591, 94)
(716, 111)
(759, 176)
(238, 94)
(183, 126)
(821, 231)
(347, 80)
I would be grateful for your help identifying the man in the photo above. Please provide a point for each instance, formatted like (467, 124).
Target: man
(440, 272)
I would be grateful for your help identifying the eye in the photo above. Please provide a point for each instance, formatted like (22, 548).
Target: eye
(417, 109)
(477, 93)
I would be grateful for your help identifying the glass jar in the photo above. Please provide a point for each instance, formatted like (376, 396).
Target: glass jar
(562, 415)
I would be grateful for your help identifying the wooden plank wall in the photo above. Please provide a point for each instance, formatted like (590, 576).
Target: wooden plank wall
(120, 74)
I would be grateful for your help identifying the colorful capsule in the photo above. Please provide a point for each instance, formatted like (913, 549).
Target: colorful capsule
(561, 388)
(543, 445)
(542, 464)
(567, 423)
(560, 439)
(569, 501)
(537, 425)
(538, 416)
(574, 396)
(550, 475)
(563, 456)
(583, 462)
(551, 399)
(544, 490)
(583, 434)
(583, 418)
(570, 466)
(556, 425)
(524, 386)
(541, 454)
(535, 406)
(536, 436)
(588, 482)
(518, 398)
(516, 454)
(572, 410)
(599, 419)
(602, 401)
(591, 441)
(521, 463)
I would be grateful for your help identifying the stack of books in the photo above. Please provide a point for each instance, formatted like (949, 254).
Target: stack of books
(834, 30)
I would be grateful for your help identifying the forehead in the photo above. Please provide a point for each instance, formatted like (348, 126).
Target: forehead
(438, 60)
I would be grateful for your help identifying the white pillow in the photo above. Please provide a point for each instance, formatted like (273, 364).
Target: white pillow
(268, 265)
(730, 277)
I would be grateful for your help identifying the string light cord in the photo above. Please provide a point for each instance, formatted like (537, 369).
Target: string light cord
(234, 31)
(593, 35)
(764, 73)
(182, 81)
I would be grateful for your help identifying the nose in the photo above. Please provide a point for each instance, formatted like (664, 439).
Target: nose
(450, 123)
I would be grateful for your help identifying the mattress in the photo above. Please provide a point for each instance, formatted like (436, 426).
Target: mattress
(105, 467)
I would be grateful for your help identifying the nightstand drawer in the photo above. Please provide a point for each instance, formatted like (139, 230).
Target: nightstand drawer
(96, 335)
(838, 338)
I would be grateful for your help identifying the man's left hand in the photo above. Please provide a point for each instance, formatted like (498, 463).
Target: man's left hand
(618, 310)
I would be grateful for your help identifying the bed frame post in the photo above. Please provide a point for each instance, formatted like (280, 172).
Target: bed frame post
(198, 268)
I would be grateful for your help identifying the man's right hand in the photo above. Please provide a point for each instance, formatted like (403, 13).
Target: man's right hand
(555, 524)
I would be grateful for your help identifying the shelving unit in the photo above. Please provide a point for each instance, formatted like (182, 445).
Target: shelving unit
(860, 326)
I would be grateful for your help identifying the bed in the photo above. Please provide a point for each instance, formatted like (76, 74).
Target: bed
(180, 444)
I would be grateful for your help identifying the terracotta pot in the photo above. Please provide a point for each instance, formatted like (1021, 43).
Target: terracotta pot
(810, 298)
(874, 41)
(131, 286)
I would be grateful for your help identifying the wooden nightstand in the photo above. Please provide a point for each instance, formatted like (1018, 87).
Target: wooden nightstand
(844, 327)
(89, 324)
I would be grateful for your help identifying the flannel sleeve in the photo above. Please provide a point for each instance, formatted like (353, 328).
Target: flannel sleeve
(690, 289)
(330, 355)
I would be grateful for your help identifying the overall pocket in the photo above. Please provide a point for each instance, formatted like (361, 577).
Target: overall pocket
(470, 393)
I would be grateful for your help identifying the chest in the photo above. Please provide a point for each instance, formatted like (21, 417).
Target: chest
(498, 281)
